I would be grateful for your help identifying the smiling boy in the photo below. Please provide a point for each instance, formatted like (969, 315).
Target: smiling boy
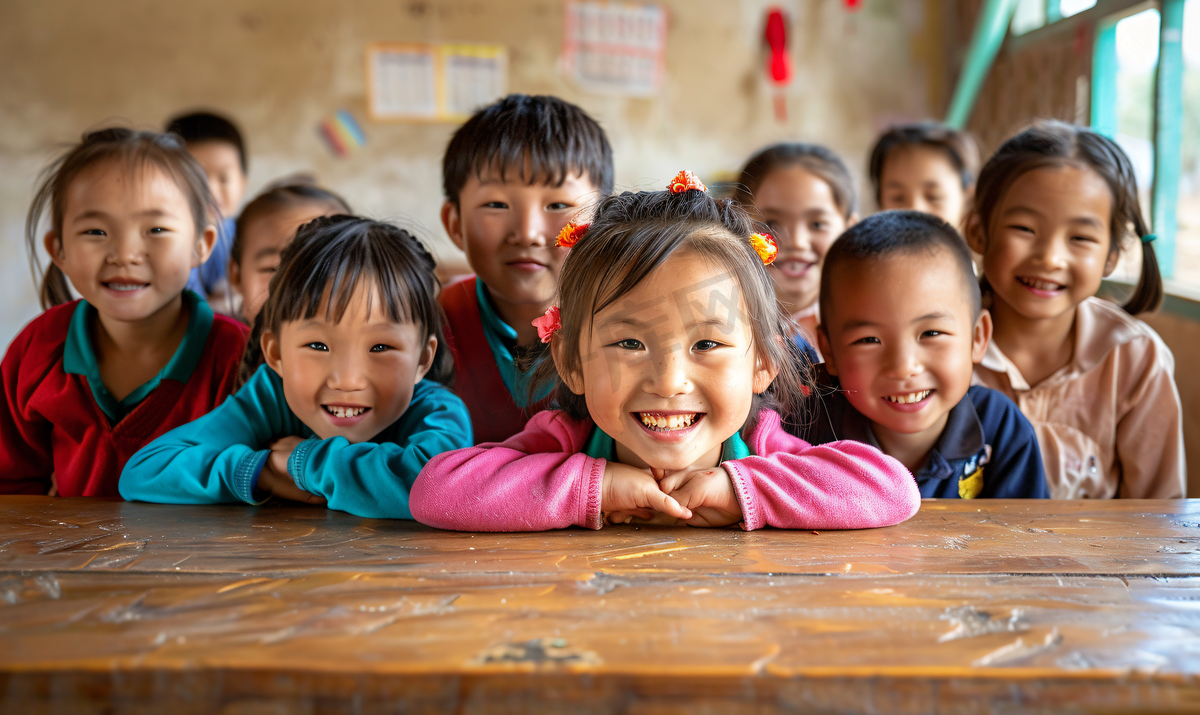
(514, 175)
(901, 329)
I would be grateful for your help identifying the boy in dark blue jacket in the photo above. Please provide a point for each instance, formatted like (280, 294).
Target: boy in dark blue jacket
(902, 326)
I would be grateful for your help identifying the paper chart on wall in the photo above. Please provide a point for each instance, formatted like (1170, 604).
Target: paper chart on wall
(418, 82)
(615, 48)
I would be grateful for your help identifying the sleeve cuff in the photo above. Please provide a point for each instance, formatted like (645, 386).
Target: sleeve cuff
(245, 476)
(298, 460)
(593, 518)
(751, 518)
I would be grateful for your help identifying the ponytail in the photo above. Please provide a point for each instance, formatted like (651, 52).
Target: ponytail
(55, 289)
(1148, 294)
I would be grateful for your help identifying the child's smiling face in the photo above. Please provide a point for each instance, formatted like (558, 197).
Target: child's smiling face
(669, 370)
(900, 336)
(128, 239)
(351, 378)
(802, 213)
(508, 231)
(1048, 248)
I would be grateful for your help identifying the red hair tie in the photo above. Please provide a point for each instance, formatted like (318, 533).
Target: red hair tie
(548, 324)
(685, 181)
(764, 246)
(570, 234)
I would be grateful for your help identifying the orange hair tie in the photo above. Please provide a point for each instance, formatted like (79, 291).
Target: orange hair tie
(570, 234)
(685, 181)
(764, 246)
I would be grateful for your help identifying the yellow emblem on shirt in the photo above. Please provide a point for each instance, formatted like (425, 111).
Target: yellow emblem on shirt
(970, 485)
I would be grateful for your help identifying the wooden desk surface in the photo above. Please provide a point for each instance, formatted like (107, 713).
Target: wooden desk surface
(971, 606)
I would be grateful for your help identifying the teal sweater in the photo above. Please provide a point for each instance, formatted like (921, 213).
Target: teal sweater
(218, 457)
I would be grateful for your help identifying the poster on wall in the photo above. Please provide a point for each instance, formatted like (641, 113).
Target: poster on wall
(417, 82)
(615, 48)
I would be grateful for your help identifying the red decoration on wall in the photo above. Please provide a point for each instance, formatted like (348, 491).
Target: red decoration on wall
(853, 5)
(779, 64)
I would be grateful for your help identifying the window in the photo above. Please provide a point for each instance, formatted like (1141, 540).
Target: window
(1188, 207)
(1067, 8)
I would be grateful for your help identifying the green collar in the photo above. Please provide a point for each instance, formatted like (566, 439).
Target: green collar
(502, 339)
(79, 355)
(600, 446)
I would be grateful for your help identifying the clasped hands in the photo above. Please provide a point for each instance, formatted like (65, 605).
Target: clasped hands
(701, 497)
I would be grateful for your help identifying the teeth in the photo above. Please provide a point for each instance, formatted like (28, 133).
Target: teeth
(123, 286)
(910, 398)
(1041, 285)
(344, 412)
(663, 423)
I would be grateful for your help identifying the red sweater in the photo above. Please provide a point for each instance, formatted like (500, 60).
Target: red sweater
(50, 422)
(494, 415)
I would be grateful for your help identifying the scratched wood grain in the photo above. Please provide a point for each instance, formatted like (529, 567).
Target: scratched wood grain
(946, 537)
(1004, 607)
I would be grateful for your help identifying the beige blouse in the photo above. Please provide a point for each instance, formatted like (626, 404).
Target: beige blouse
(1109, 423)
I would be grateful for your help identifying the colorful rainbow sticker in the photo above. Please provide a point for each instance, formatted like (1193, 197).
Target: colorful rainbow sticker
(342, 133)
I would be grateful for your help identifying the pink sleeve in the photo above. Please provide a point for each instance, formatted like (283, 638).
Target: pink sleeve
(840, 485)
(536, 480)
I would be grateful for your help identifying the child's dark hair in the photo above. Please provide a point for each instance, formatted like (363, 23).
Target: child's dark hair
(814, 158)
(631, 235)
(958, 146)
(330, 256)
(541, 138)
(297, 192)
(1055, 144)
(137, 150)
(208, 127)
(899, 232)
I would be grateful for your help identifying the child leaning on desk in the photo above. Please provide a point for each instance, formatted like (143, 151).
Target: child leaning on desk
(668, 355)
(902, 327)
(351, 402)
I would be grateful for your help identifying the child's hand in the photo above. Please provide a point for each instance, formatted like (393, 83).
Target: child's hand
(632, 492)
(707, 493)
(275, 479)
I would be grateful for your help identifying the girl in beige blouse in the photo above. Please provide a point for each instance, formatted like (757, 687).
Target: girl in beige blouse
(1052, 209)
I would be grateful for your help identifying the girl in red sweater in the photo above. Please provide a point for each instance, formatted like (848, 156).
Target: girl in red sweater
(90, 381)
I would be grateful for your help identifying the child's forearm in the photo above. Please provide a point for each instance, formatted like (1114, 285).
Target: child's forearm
(176, 470)
(501, 489)
(841, 485)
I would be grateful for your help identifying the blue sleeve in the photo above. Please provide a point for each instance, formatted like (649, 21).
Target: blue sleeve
(218, 457)
(807, 349)
(372, 479)
(1015, 470)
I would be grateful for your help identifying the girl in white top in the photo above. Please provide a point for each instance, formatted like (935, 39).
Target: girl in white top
(1052, 209)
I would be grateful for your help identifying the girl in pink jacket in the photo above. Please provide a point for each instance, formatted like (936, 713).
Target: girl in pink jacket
(668, 354)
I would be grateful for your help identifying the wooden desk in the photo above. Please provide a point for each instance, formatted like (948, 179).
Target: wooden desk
(972, 606)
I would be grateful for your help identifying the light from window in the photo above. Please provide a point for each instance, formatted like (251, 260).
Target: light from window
(1029, 16)
(1067, 8)
(1187, 211)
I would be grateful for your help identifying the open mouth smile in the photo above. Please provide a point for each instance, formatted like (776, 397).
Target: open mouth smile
(124, 286)
(1039, 286)
(668, 422)
(908, 398)
(793, 268)
(345, 414)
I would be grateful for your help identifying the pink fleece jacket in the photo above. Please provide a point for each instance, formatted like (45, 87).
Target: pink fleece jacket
(540, 479)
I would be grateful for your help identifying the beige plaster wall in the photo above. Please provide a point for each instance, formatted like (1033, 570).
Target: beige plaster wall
(280, 66)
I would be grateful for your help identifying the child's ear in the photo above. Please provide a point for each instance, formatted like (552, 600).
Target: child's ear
(764, 374)
(452, 222)
(1110, 263)
(235, 276)
(426, 359)
(983, 334)
(973, 233)
(53, 246)
(826, 353)
(573, 380)
(272, 354)
(204, 246)
(853, 219)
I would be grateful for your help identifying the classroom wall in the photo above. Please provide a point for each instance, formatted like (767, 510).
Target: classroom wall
(279, 67)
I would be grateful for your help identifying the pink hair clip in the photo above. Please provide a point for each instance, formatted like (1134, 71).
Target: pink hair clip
(548, 324)
(685, 181)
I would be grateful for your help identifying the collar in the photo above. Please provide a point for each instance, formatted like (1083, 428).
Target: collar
(961, 438)
(600, 446)
(79, 355)
(808, 312)
(493, 324)
(1100, 326)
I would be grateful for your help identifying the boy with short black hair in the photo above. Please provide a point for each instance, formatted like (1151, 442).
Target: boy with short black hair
(514, 175)
(217, 145)
(902, 327)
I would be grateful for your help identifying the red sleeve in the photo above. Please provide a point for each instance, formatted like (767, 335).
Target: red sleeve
(26, 460)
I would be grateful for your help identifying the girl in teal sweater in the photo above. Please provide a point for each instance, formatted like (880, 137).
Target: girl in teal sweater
(350, 402)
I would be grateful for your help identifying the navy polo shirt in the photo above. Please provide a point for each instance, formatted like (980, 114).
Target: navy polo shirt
(988, 449)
